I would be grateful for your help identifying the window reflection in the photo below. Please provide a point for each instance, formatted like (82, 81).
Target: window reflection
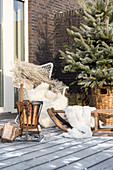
(19, 30)
(1, 59)
(18, 37)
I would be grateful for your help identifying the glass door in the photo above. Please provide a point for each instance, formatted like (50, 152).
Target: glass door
(13, 45)
(1, 60)
(19, 51)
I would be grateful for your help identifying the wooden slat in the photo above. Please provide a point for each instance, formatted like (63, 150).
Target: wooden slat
(103, 111)
(106, 164)
(91, 163)
(102, 133)
(94, 159)
(80, 159)
(31, 147)
(55, 153)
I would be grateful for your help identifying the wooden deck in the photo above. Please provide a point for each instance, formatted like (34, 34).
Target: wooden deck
(57, 152)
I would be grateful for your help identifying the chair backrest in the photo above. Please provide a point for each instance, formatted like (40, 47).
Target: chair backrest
(48, 67)
(29, 113)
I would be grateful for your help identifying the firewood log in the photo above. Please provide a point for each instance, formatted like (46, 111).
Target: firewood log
(34, 121)
(10, 132)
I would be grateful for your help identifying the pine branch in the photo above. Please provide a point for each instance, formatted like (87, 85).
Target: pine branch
(105, 45)
(89, 16)
(82, 41)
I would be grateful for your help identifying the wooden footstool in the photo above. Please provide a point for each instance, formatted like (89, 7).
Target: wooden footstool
(29, 112)
(97, 131)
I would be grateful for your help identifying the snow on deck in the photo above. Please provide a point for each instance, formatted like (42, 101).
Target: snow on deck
(57, 152)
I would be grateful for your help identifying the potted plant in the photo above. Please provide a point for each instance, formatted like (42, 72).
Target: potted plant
(91, 54)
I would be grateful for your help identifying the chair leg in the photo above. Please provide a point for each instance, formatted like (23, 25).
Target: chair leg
(21, 132)
(26, 134)
(39, 129)
(55, 120)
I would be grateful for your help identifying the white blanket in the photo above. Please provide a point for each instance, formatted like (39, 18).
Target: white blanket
(50, 99)
(80, 119)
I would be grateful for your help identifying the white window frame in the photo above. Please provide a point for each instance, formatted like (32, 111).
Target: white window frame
(8, 51)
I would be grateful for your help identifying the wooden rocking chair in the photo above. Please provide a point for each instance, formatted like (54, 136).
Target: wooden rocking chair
(97, 131)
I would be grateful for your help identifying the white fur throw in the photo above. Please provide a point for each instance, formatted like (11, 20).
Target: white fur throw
(80, 119)
(50, 99)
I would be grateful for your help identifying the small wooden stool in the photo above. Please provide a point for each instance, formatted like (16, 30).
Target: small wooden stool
(97, 131)
(29, 112)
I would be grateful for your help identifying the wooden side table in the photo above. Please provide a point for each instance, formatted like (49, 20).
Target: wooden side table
(97, 131)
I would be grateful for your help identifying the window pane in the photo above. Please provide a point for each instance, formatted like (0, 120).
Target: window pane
(18, 37)
(19, 30)
(1, 59)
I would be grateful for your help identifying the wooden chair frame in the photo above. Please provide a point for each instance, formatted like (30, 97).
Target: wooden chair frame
(29, 113)
(97, 131)
(57, 119)
(26, 109)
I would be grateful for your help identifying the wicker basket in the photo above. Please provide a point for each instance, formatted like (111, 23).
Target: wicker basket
(103, 99)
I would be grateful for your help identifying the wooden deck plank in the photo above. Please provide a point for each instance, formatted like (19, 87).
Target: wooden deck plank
(54, 153)
(15, 147)
(67, 159)
(92, 161)
(3, 145)
(31, 149)
(106, 164)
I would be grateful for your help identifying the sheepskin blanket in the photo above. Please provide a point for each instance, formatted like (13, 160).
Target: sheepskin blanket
(80, 119)
(49, 98)
(31, 75)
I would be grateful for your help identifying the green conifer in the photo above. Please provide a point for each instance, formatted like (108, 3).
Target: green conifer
(91, 55)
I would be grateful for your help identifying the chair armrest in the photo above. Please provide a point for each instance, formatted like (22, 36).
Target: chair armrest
(63, 90)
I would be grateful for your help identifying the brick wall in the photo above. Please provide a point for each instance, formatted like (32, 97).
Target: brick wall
(62, 22)
(41, 27)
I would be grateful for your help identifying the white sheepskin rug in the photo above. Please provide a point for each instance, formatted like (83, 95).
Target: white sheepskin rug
(50, 99)
(80, 119)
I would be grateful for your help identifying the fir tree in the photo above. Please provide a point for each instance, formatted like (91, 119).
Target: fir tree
(91, 56)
